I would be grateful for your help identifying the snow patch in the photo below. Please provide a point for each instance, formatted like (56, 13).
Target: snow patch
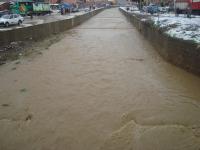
(180, 27)
(175, 26)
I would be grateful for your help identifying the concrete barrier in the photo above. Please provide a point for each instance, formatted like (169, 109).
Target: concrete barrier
(41, 31)
(185, 54)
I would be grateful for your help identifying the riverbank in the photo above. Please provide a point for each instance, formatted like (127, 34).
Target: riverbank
(17, 42)
(181, 52)
(177, 26)
(44, 29)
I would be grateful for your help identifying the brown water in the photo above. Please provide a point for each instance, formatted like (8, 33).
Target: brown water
(101, 87)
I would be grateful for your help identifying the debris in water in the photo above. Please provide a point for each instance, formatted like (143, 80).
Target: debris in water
(18, 62)
(23, 90)
(5, 105)
(29, 117)
(2, 63)
(14, 68)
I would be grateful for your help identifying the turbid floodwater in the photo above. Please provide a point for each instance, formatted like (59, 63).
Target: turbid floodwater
(101, 87)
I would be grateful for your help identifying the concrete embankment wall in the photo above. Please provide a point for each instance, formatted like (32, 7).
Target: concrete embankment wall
(41, 31)
(185, 54)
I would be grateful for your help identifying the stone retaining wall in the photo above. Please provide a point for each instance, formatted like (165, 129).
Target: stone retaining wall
(41, 31)
(185, 54)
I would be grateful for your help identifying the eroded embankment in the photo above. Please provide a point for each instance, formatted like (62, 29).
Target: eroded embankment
(185, 54)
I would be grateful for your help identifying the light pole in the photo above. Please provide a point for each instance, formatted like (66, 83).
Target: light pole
(174, 5)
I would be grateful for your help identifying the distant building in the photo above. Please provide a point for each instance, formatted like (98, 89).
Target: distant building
(147, 2)
(163, 2)
(96, 2)
(53, 1)
(60, 1)
(4, 6)
(70, 1)
(112, 2)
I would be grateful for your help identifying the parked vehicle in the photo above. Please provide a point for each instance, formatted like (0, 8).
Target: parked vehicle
(75, 10)
(4, 13)
(144, 8)
(86, 9)
(134, 8)
(66, 8)
(28, 7)
(11, 19)
(152, 9)
(182, 6)
(162, 9)
(41, 8)
(108, 6)
(55, 8)
(22, 7)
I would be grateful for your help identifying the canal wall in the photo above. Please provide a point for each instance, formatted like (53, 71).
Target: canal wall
(41, 31)
(185, 54)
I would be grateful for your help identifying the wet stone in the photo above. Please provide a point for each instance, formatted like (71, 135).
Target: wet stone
(29, 117)
(2, 63)
(5, 105)
(18, 62)
(23, 90)
(14, 68)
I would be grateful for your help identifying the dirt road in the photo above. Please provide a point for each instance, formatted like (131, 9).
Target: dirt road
(102, 87)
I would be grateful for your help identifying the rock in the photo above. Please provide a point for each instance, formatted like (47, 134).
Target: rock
(28, 117)
(5, 105)
(14, 43)
(2, 63)
(23, 90)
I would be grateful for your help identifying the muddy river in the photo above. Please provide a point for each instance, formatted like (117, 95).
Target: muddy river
(101, 87)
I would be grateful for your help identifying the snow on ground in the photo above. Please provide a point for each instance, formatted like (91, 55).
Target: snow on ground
(45, 19)
(179, 27)
(134, 11)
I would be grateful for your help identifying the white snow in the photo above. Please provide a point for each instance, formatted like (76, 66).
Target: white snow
(45, 19)
(178, 27)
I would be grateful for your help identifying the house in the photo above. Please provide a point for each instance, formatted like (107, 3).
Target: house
(70, 1)
(4, 6)
(112, 2)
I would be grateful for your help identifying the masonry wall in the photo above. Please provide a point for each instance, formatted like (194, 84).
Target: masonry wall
(185, 54)
(41, 31)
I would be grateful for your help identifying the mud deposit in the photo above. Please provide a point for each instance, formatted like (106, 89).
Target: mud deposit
(101, 87)
(19, 49)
